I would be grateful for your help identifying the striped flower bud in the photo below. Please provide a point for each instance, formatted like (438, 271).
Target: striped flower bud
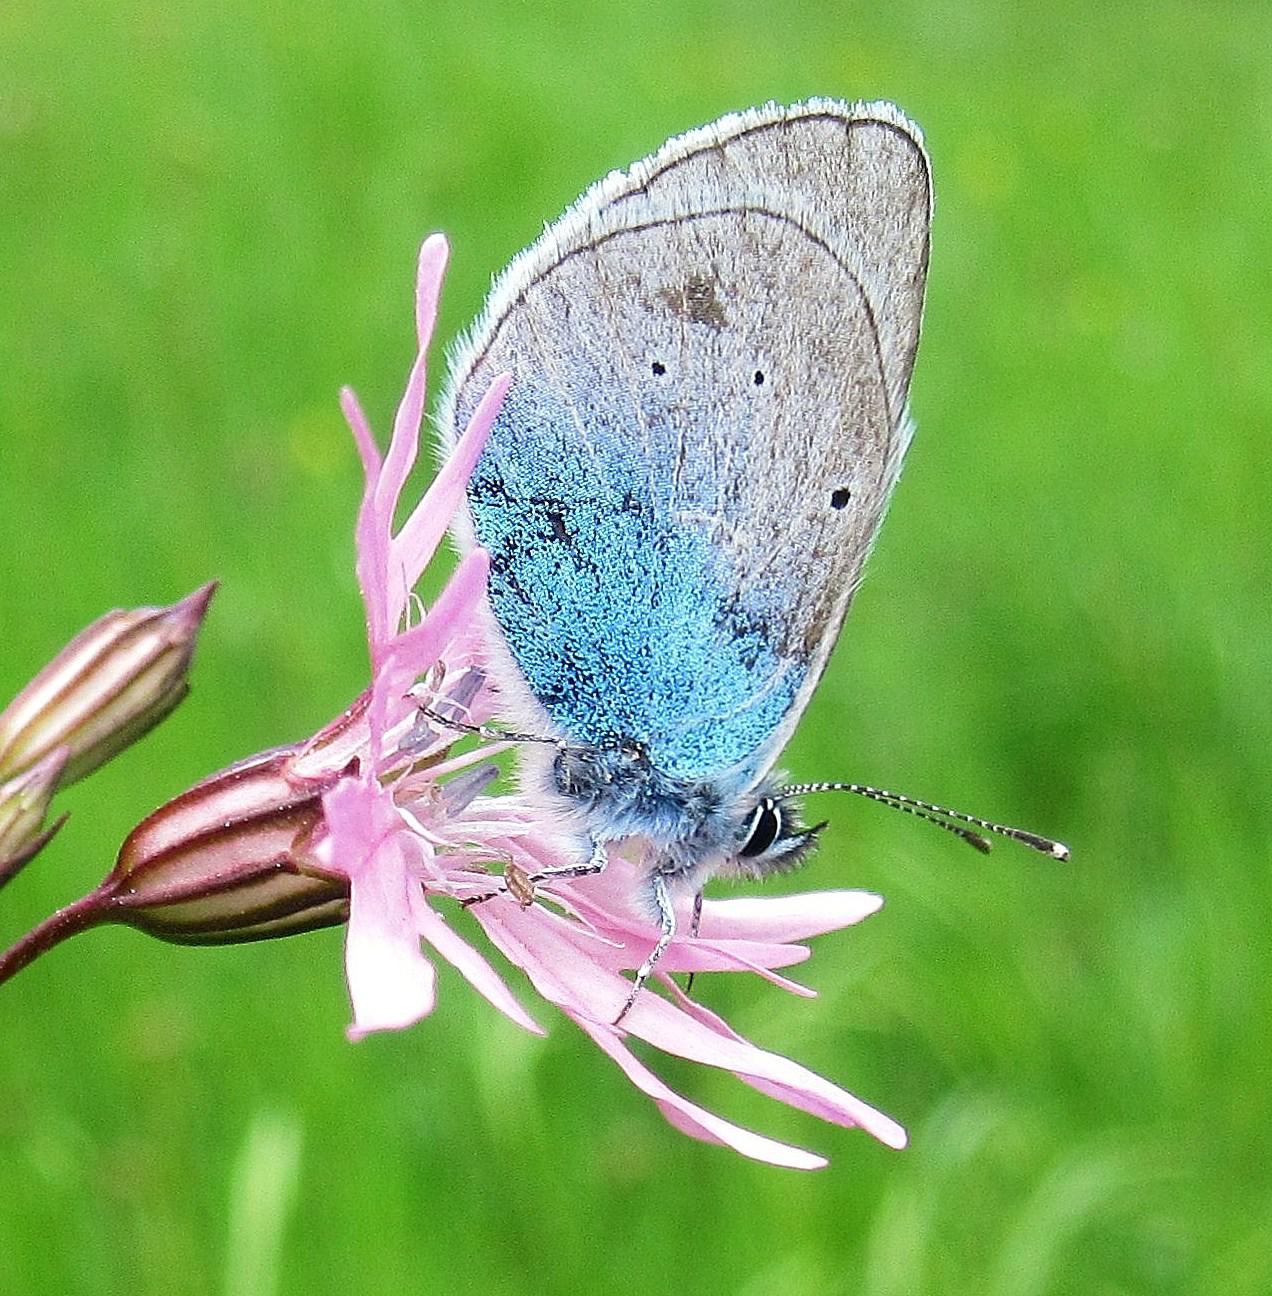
(24, 802)
(112, 683)
(231, 859)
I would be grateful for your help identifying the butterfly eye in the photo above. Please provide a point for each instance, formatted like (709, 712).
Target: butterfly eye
(839, 498)
(763, 830)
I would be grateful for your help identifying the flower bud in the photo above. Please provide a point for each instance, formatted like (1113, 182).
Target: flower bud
(112, 683)
(24, 801)
(231, 859)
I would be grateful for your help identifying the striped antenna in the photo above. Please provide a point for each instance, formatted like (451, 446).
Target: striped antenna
(954, 821)
(491, 733)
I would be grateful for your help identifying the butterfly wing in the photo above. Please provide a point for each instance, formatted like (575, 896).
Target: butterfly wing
(711, 355)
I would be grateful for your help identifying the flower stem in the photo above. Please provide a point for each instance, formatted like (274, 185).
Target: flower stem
(84, 913)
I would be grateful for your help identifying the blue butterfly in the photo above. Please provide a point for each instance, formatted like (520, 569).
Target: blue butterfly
(711, 355)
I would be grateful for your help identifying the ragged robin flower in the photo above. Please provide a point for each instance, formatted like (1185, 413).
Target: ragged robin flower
(377, 819)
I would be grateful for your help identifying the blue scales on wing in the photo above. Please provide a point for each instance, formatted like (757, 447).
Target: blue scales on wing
(625, 619)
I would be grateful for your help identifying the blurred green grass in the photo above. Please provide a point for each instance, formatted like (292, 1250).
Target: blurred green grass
(208, 220)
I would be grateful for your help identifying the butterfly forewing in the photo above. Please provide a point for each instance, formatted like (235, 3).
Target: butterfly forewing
(711, 354)
(855, 176)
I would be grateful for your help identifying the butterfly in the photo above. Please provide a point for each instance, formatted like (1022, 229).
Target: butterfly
(712, 353)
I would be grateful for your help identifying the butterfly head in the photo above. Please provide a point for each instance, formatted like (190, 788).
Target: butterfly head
(699, 827)
(773, 838)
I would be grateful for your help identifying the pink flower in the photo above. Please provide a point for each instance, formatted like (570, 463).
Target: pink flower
(407, 824)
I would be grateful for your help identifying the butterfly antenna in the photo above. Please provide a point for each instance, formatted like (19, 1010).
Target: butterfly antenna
(954, 821)
(490, 732)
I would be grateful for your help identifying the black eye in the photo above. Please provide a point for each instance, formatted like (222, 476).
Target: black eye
(840, 497)
(659, 368)
(766, 824)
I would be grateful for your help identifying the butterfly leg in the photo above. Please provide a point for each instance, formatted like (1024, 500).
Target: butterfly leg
(596, 863)
(694, 924)
(667, 929)
(521, 885)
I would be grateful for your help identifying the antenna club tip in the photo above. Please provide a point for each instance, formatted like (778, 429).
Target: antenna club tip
(1059, 851)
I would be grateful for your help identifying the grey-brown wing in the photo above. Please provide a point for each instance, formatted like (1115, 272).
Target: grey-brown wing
(721, 337)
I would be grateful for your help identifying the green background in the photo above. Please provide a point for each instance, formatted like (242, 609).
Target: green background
(208, 221)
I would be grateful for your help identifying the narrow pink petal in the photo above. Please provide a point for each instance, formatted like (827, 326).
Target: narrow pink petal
(371, 564)
(359, 816)
(422, 532)
(410, 654)
(405, 443)
(725, 958)
(759, 918)
(883, 1128)
(633, 936)
(473, 967)
(546, 947)
(786, 918)
(686, 953)
(691, 1119)
(368, 451)
(371, 534)
(391, 983)
(566, 971)
(576, 967)
(403, 449)
(691, 1032)
(864, 1117)
(430, 271)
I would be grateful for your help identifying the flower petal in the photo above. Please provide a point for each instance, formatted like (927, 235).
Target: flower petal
(675, 1030)
(691, 1119)
(371, 533)
(422, 532)
(685, 953)
(733, 962)
(788, 917)
(391, 983)
(363, 437)
(412, 653)
(473, 967)
(405, 442)
(430, 270)
(398, 462)
(565, 970)
(883, 1128)
(420, 646)
(536, 941)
